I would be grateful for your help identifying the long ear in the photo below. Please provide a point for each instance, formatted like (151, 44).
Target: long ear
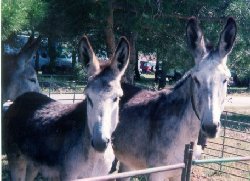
(227, 37)
(28, 51)
(88, 57)
(195, 40)
(121, 57)
(28, 43)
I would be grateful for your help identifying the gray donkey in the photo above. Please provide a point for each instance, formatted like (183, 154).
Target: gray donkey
(18, 75)
(67, 141)
(155, 126)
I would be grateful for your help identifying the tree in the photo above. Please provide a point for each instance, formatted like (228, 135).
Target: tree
(19, 15)
(151, 26)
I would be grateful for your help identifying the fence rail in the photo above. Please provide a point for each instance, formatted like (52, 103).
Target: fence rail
(229, 125)
(136, 173)
(186, 167)
(221, 160)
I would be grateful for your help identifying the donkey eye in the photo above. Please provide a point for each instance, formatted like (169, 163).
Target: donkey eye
(89, 101)
(224, 81)
(115, 99)
(32, 80)
(197, 81)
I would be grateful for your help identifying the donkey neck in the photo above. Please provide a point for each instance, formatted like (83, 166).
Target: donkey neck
(77, 118)
(181, 105)
(86, 136)
(183, 91)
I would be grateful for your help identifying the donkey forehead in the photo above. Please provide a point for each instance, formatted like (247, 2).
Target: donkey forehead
(106, 82)
(104, 87)
(212, 68)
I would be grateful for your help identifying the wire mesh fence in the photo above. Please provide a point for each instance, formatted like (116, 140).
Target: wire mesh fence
(62, 87)
(234, 141)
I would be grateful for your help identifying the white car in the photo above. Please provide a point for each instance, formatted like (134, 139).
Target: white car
(64, 61)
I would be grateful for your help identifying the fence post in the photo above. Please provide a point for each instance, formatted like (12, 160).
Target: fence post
(50, 84)
(189, 164)
(223, 140)
(74, 96)
(184, 170)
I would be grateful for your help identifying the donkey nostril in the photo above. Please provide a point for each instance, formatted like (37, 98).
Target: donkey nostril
(92, 143)
(100, 144)
(210, 130)
(203, 127)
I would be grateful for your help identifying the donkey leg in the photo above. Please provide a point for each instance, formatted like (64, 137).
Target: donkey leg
(17, 164)
(178, 178)
(123, 168)
(31, 172)
(160, 176)
(54, 179)
(174, 175)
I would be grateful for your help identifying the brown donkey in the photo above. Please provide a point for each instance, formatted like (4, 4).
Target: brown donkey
(68, 141)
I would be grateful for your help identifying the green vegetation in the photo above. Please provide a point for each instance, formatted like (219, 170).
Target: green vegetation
(20, 15)
(151, 26)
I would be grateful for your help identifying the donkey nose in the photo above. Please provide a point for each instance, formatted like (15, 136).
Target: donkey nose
(100, 144)
(210, 130)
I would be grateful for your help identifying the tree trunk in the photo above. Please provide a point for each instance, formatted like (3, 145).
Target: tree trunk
(157, 69)
(73, 59)
(109, 34)
(137, 73)
(160, 75)
(52, 53)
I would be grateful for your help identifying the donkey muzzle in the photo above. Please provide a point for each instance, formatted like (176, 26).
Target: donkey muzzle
(210, 130)
(99, 140)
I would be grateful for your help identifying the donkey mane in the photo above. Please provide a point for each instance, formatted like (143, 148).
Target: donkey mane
(180, 82)
(137, 95)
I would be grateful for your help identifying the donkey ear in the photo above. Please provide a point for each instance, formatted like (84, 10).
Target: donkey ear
(28, 51)
(88, 57)
(227, 37)
(121, 57)
(28, 43)
(195, 40)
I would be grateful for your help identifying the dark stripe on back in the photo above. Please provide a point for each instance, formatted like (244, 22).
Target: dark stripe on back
(182, 81)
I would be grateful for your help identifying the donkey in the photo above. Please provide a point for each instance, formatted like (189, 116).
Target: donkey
(155, 126)
(63, 141)
(18, 75)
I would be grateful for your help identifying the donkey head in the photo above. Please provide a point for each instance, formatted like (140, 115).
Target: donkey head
(210, 74)
(18, 75)
(103, 91)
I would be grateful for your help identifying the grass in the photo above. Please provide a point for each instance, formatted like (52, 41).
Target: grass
(147, 82)
(241, 91)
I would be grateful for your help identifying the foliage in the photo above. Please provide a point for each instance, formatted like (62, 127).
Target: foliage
(159, 25)
(162, 29)
(240, 58)
(18, 15)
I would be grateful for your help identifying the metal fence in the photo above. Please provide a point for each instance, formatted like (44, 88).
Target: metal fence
(62, 87)
(234, 140)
